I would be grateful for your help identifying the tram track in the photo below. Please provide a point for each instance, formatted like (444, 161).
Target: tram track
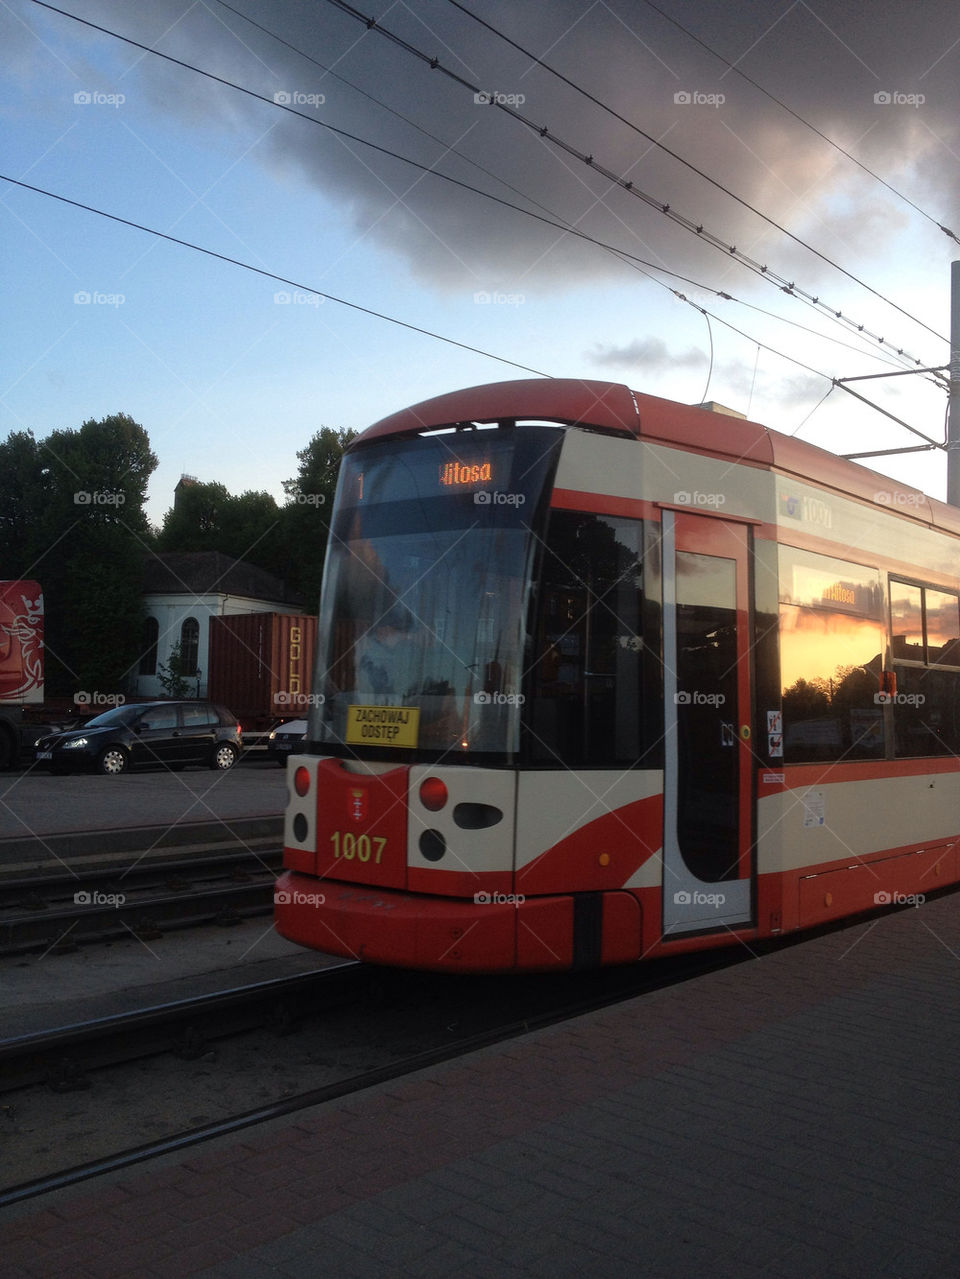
(364, 1025)
(61, 911)
(62, 1057)
(502, 1010)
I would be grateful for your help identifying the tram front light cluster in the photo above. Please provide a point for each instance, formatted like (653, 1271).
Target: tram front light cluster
(301, 781)
(433, 794)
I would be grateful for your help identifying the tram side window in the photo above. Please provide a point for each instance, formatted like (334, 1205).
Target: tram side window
(925, 640)
(832, 639)
(590, 659)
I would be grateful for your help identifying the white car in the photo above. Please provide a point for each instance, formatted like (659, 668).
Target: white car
(286, 738)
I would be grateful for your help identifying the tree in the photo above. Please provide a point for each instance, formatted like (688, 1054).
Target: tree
(805, 700)
(306, 514)
(24, 499)
(288, 541)
(74, 519)
(320, 465)
(172, 676)
(207, 517)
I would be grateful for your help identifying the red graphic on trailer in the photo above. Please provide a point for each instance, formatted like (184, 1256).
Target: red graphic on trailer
(21, 642)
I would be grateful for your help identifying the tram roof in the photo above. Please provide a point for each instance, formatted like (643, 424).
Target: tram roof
(613, 407)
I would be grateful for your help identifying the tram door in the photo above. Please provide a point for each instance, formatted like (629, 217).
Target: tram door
(707, 838)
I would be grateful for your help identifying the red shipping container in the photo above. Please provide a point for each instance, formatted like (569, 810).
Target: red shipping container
(261, 665)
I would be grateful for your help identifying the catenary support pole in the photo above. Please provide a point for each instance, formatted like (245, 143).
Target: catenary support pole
(953, 413)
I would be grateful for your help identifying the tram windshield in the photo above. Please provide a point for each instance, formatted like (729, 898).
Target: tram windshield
(426, 592)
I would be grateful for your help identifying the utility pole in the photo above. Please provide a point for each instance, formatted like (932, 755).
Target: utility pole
(953, 413)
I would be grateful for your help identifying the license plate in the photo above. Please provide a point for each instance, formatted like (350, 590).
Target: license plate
(44, 754)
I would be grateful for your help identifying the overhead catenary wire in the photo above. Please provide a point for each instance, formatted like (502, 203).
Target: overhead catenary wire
(689, 224)
(553, 219)
(834, 381)
(433, 171)
(342, 301)
(732, 66)
(801, 424)
(629, 259)
(271, 275)
(706, 389)
(308, 288)
(371, 97)
(720, 186)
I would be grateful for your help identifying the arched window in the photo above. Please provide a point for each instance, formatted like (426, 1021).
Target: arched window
(148, 653)
(189, 644)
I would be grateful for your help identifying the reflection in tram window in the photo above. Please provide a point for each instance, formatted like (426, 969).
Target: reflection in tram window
(708, 763)
(941, 627)
(831, 653)
(926, 711)
(906, 621)
(925, 626)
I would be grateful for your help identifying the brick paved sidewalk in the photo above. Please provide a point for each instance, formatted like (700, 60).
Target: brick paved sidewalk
(796, 1116)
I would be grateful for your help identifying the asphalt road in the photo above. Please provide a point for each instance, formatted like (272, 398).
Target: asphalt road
(36, 804)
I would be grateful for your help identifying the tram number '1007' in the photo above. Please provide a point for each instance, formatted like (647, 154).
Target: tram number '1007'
(357, 847)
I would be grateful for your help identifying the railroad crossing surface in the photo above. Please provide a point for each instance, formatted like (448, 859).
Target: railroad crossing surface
(792, 1116)
(35, 805)
(71, 825)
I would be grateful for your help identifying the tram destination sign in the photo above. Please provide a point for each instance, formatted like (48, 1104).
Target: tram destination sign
(457, 474)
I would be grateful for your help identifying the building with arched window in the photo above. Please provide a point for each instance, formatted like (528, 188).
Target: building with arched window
(182, 591)
(148, 651)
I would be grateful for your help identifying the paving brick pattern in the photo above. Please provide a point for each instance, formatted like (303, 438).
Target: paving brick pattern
(795, 1116)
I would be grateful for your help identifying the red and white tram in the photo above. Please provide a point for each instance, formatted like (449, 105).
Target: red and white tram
(602, 677)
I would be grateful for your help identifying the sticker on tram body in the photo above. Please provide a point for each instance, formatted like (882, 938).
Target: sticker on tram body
(383, 725)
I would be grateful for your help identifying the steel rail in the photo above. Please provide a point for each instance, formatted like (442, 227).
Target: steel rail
(120, 1037)
(644, 981)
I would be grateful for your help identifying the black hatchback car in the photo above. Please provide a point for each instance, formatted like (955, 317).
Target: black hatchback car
(169, 734)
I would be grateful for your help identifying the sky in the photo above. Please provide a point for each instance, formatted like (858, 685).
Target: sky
(821, 142)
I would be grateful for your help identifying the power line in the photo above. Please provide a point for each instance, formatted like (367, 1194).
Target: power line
(306, 288)
(629, 259)
(688, 224)
(563, 227)
(270, 275)
(797, 116)
(451, 150)
(434, 63)
(356, 306)
(834, 382)
(676, 156)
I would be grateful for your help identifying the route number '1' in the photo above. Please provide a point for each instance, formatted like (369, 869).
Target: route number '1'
(360, 847)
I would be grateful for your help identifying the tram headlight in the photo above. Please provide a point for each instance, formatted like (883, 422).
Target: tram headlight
(433, 794)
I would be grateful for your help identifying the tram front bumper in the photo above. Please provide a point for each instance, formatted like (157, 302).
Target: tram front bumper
(492, 933)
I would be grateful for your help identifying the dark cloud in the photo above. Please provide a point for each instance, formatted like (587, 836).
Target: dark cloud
(848, 69)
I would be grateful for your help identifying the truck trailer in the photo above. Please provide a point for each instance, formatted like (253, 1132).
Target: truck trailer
(21, 662)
